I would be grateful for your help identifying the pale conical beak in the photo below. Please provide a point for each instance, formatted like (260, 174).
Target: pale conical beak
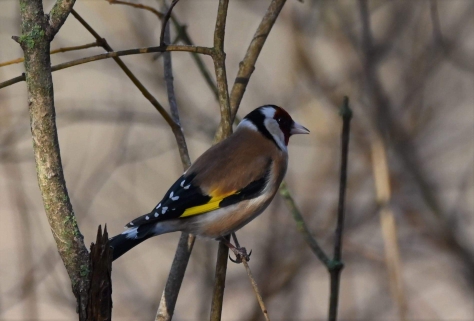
(298, 129)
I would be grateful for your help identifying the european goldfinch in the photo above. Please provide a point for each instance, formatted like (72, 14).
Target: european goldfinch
(226, 187)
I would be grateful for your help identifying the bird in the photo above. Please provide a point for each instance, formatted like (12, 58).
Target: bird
(226, 187)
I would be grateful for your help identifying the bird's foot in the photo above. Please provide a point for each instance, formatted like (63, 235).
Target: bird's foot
(240, 254)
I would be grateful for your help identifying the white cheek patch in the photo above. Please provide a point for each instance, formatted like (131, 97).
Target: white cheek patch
(274, 129)
(269, 112)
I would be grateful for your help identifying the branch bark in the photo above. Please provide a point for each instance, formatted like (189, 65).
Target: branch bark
(336, 265)
(186, 242)
(52, 52)
(37, 33)
(247, 65)
(99, 307)
(114, 54)
(224, 130)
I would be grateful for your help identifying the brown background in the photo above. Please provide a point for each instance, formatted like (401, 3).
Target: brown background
(120, 157)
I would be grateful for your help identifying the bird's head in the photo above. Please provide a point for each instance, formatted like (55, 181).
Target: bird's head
(274, 123)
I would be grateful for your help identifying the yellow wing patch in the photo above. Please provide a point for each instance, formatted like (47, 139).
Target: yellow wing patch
(213, 204)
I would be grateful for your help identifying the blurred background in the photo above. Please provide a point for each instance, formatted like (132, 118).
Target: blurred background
(408, 69)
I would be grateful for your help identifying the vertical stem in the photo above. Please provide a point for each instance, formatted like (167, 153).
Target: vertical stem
(186, 241)
(247, 65)
(35, 42)
(175, 278)
(219, 281)
(225, 129)
(336, 265)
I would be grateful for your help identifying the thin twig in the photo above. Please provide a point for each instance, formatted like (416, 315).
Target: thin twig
(336, 264)
(57, 16)
(225, 127)
(138, 6)
(219, 281)
(128, 72)
(252, 281)
(247, 65)
(182, 35)
(114, 54)
(301, 225)
(52, 52)
(183, 252)
(164, 23)
(388, 224)
(224, 130)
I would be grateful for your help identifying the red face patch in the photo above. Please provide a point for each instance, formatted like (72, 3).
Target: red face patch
(285, 121)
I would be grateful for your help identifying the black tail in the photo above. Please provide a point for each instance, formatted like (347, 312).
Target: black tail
(121, 244)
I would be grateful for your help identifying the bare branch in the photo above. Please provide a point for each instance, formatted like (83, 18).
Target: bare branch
(247, 65)
(175, 278)
(183, 252)
(301, 225)
(225, 127)
(252, 281)
(58, 15)
(35, 43)
(99, 307)
(128, 72)
(336, 265)
(114, 54)
(52, 52)
(137, 5)
(166, 18)
(388, 224)
(219, 281)
(224, 130)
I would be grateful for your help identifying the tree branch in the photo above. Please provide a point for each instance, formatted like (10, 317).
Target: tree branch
(301, 225)
(165, 19)
(219, 281)
(58, 15)
(114, 54)
(224, 130)
(35, 43)
(183, 252)
(225, 127)
(337, 265)
(137, 5)
(52, 52)
(247, 65)
(252, 281)
(99, 307)
(129, 73)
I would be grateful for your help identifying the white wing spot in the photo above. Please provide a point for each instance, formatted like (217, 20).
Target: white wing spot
(163, 211)
(130, 233)
(156, 214)
(173, 209)
(171, 195)
(175, 198)
(147, 218)
(159, 205)
(182, 183)
(131, 223)
(187, 186)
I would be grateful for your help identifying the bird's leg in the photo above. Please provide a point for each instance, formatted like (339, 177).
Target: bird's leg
(240, 252)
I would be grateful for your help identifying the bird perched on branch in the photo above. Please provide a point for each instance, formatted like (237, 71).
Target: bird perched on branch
(226, 187)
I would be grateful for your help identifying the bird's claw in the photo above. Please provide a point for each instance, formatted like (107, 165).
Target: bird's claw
(240, 255)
